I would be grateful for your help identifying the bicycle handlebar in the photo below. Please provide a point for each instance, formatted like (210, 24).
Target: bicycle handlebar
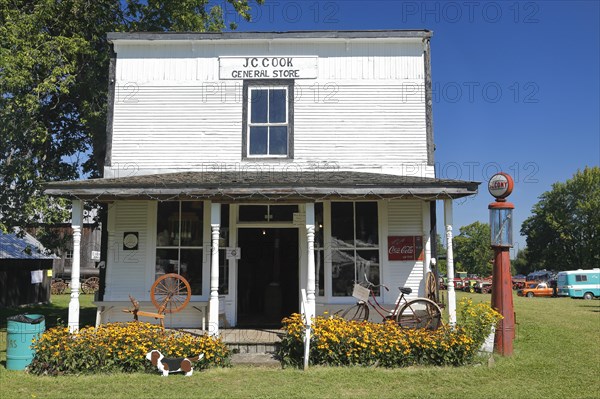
(370, 284)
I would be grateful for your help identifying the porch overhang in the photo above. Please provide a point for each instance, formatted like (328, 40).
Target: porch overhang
(256, 186)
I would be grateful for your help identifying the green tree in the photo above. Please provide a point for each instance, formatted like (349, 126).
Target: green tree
(520, 264)
(473, 252)
(441, 255)
(563, 231)
(54, 60)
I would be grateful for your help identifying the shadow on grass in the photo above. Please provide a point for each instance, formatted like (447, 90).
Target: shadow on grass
(54, 313)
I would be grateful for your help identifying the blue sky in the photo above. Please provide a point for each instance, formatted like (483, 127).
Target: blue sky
(516, 84)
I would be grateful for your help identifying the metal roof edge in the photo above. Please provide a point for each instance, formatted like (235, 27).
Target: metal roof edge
(324, 34)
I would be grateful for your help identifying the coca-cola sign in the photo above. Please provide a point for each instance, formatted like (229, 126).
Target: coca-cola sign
(405, 248)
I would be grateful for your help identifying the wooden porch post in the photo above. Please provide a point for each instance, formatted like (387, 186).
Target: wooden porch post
(76, 225)
(426, 209)
(450, 262)
(213, 304)
(311, 278)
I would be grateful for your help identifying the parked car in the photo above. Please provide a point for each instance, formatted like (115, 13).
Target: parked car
(537, 289)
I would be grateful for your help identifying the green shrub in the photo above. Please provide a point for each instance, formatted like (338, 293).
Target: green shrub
(119, 347)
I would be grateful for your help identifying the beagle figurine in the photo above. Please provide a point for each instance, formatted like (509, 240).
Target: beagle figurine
(172, 365)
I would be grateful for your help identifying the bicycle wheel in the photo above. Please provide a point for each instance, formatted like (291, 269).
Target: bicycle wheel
(431, 287)
(358, 312)
(420, 313)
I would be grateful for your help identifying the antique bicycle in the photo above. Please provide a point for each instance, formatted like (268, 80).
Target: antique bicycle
(414, 313)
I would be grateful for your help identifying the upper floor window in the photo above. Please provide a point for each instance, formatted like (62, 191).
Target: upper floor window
(268, 119)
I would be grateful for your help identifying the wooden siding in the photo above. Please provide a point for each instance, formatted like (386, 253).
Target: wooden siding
(366, 111)
(404, 219)
(126, 270)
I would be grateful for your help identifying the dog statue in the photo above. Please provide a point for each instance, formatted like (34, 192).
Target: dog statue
(172, 365)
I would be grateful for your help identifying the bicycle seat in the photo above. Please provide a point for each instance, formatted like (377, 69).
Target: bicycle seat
(405, 290)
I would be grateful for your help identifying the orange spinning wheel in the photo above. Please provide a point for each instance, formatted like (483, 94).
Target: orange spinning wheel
(170, 293)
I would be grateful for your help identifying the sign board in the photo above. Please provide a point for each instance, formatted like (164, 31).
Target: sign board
(405, 248)
(233, 253)
(299, 219)
(268, 68)
(95, 255)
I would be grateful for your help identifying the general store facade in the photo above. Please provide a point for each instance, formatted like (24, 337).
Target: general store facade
(260, 164)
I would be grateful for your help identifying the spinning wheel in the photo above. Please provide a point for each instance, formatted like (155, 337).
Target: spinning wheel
(170, 293)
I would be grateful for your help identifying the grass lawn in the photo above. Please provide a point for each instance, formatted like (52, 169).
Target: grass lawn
(557, 355)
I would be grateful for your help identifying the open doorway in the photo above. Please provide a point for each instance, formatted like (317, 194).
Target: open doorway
(268, 276)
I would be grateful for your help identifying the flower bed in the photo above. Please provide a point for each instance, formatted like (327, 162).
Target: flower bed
(338, 342)
(119, 347)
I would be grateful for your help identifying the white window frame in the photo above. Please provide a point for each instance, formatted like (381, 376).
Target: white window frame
(268, 125)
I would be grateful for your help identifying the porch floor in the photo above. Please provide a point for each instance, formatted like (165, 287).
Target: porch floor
(246, 335)
(250, 346)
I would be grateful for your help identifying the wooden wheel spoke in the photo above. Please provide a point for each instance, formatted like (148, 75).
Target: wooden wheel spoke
(171, 293)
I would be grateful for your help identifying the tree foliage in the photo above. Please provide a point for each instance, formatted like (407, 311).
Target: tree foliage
(473, 252)
(520, 265)
(563, 232)
(54, 60)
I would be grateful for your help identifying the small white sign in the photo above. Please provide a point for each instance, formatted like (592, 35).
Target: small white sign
(95, 255)
(274, 67)
(233, 253)
(299, 219)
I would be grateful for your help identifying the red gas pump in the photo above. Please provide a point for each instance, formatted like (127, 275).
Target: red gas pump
(501, 211)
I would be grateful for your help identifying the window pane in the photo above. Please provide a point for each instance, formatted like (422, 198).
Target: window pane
(168, 224)
(258, 140)
(166, 262)
(366, 224)
(342, 224)
(278, 140)
(319, 225)
(191, 269)
(282, 213)
(191, 223)
(223, 273)
(367, 263)
(224, 230)
(253, 213)
(342, 272)
(320, 272)
(277, 106)
(258, 106)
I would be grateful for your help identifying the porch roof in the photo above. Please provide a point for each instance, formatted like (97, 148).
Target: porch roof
(245, 185)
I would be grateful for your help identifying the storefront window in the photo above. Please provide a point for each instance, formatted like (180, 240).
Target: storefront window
(179, 241)
(354, 245)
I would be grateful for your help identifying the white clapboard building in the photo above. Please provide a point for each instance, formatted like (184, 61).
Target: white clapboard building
(260, 164)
